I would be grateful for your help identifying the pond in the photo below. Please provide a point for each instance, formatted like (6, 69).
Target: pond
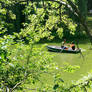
(85, 62)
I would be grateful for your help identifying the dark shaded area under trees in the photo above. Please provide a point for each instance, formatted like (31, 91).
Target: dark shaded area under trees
(77, 14)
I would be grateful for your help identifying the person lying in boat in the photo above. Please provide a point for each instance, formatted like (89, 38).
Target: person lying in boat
(72, 45)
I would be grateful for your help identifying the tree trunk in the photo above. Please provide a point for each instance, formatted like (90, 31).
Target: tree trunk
(87, 31)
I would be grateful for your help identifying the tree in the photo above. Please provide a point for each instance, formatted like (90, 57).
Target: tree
(89, 5)
(13, 71)
(78, 13)
(23, 64)
(43, 20)
(74, 7)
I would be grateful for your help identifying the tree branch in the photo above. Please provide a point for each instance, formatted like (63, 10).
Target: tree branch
(16, 85)
(83, 84)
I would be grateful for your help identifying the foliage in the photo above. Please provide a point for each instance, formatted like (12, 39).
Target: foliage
(46, 19)
(70, 68)
(53, 18)
(16, 69)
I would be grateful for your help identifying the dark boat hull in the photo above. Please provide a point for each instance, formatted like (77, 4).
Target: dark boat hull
(59, 49)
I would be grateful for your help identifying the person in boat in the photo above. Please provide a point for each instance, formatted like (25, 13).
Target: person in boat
(63, 44)
(72, 45)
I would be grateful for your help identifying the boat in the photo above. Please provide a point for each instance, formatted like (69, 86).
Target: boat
(59, 49)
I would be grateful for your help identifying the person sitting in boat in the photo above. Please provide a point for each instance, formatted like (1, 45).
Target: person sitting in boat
(62, 45)
(72, 45)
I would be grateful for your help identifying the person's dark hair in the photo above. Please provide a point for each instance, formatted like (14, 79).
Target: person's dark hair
(72, 42)
(64, 39)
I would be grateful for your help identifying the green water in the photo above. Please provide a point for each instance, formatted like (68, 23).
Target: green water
(74, 59)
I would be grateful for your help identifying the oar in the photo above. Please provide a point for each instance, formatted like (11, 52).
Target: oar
(62, 50)
(80, 52)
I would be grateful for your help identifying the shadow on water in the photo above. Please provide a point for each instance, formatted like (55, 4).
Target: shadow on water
(61, 52)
